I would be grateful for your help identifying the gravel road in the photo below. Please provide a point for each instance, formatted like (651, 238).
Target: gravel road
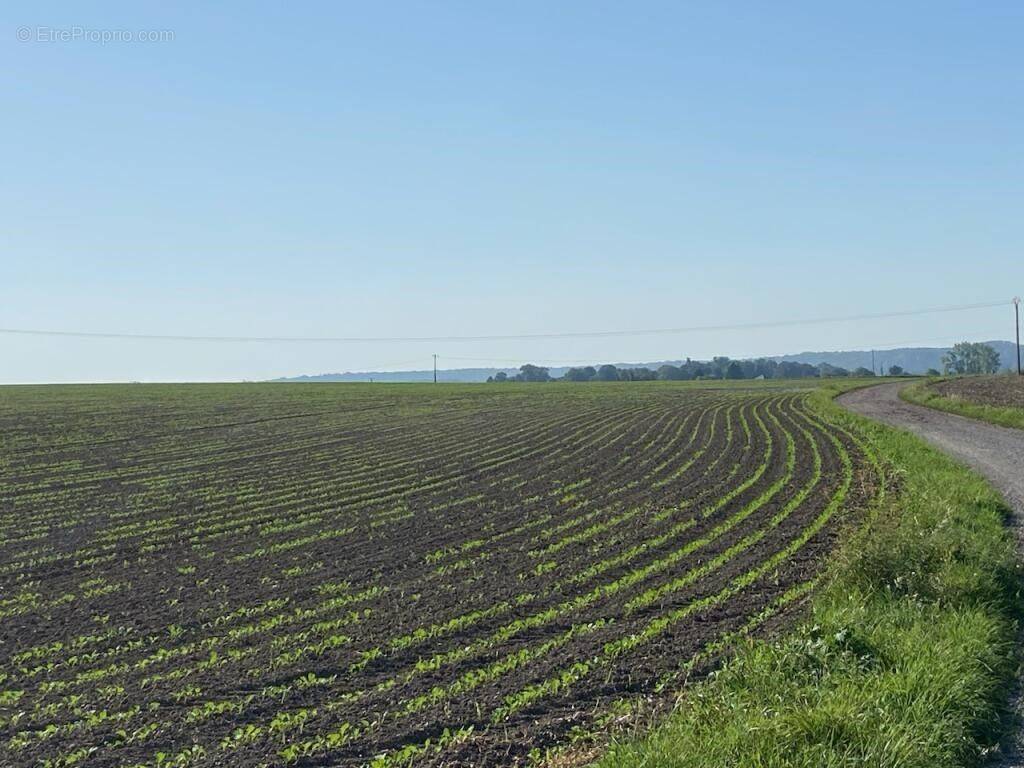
(995, 452)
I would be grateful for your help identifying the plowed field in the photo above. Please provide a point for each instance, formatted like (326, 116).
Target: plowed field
(999, 391)
(254, 575)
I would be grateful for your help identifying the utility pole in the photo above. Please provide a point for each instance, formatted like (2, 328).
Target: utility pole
(1016, 315)
(435, 369)
(873, 362)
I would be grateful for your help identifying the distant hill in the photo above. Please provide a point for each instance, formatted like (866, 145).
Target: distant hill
(911, 359)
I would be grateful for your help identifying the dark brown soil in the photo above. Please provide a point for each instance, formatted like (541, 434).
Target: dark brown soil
(181, 564)
(1000, 391)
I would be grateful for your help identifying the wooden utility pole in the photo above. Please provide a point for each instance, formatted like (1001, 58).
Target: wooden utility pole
(873, 362)
(435, 369)
(1016, 315)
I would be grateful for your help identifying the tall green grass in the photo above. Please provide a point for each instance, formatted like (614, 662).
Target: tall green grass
(906, 652)
(922, 393)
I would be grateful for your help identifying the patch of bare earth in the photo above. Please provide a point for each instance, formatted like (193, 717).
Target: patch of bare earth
(1001, 391)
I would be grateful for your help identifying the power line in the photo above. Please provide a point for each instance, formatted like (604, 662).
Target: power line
(499, 337)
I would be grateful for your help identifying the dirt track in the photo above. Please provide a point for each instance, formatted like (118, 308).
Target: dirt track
(995, 452)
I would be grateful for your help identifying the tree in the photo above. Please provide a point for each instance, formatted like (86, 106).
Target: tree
(862, 372)
(971, 358)
(670, 373)
(932, 372)
(719, 366)
(766, 368)
(792, 370)
(638, 374)
(580, 374)
(533, 373)
(988, 359)
(500, 376)
(734, 371)
(607, 373)
(895, 370)
(692, 369)
(828, 371)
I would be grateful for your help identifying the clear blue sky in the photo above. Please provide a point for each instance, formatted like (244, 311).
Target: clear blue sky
(469, 168)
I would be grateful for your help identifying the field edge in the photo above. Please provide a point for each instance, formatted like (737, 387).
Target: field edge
(922, 393)
(905, 654)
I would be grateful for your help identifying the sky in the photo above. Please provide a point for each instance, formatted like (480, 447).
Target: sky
(467, 168)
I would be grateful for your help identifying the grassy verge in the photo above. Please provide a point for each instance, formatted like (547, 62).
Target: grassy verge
(923, 394)
(906, 652)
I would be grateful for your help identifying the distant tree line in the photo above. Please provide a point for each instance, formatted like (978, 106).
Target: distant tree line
(692, 370)
(964, 358)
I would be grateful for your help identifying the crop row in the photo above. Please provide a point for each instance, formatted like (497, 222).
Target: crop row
(393, 578)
